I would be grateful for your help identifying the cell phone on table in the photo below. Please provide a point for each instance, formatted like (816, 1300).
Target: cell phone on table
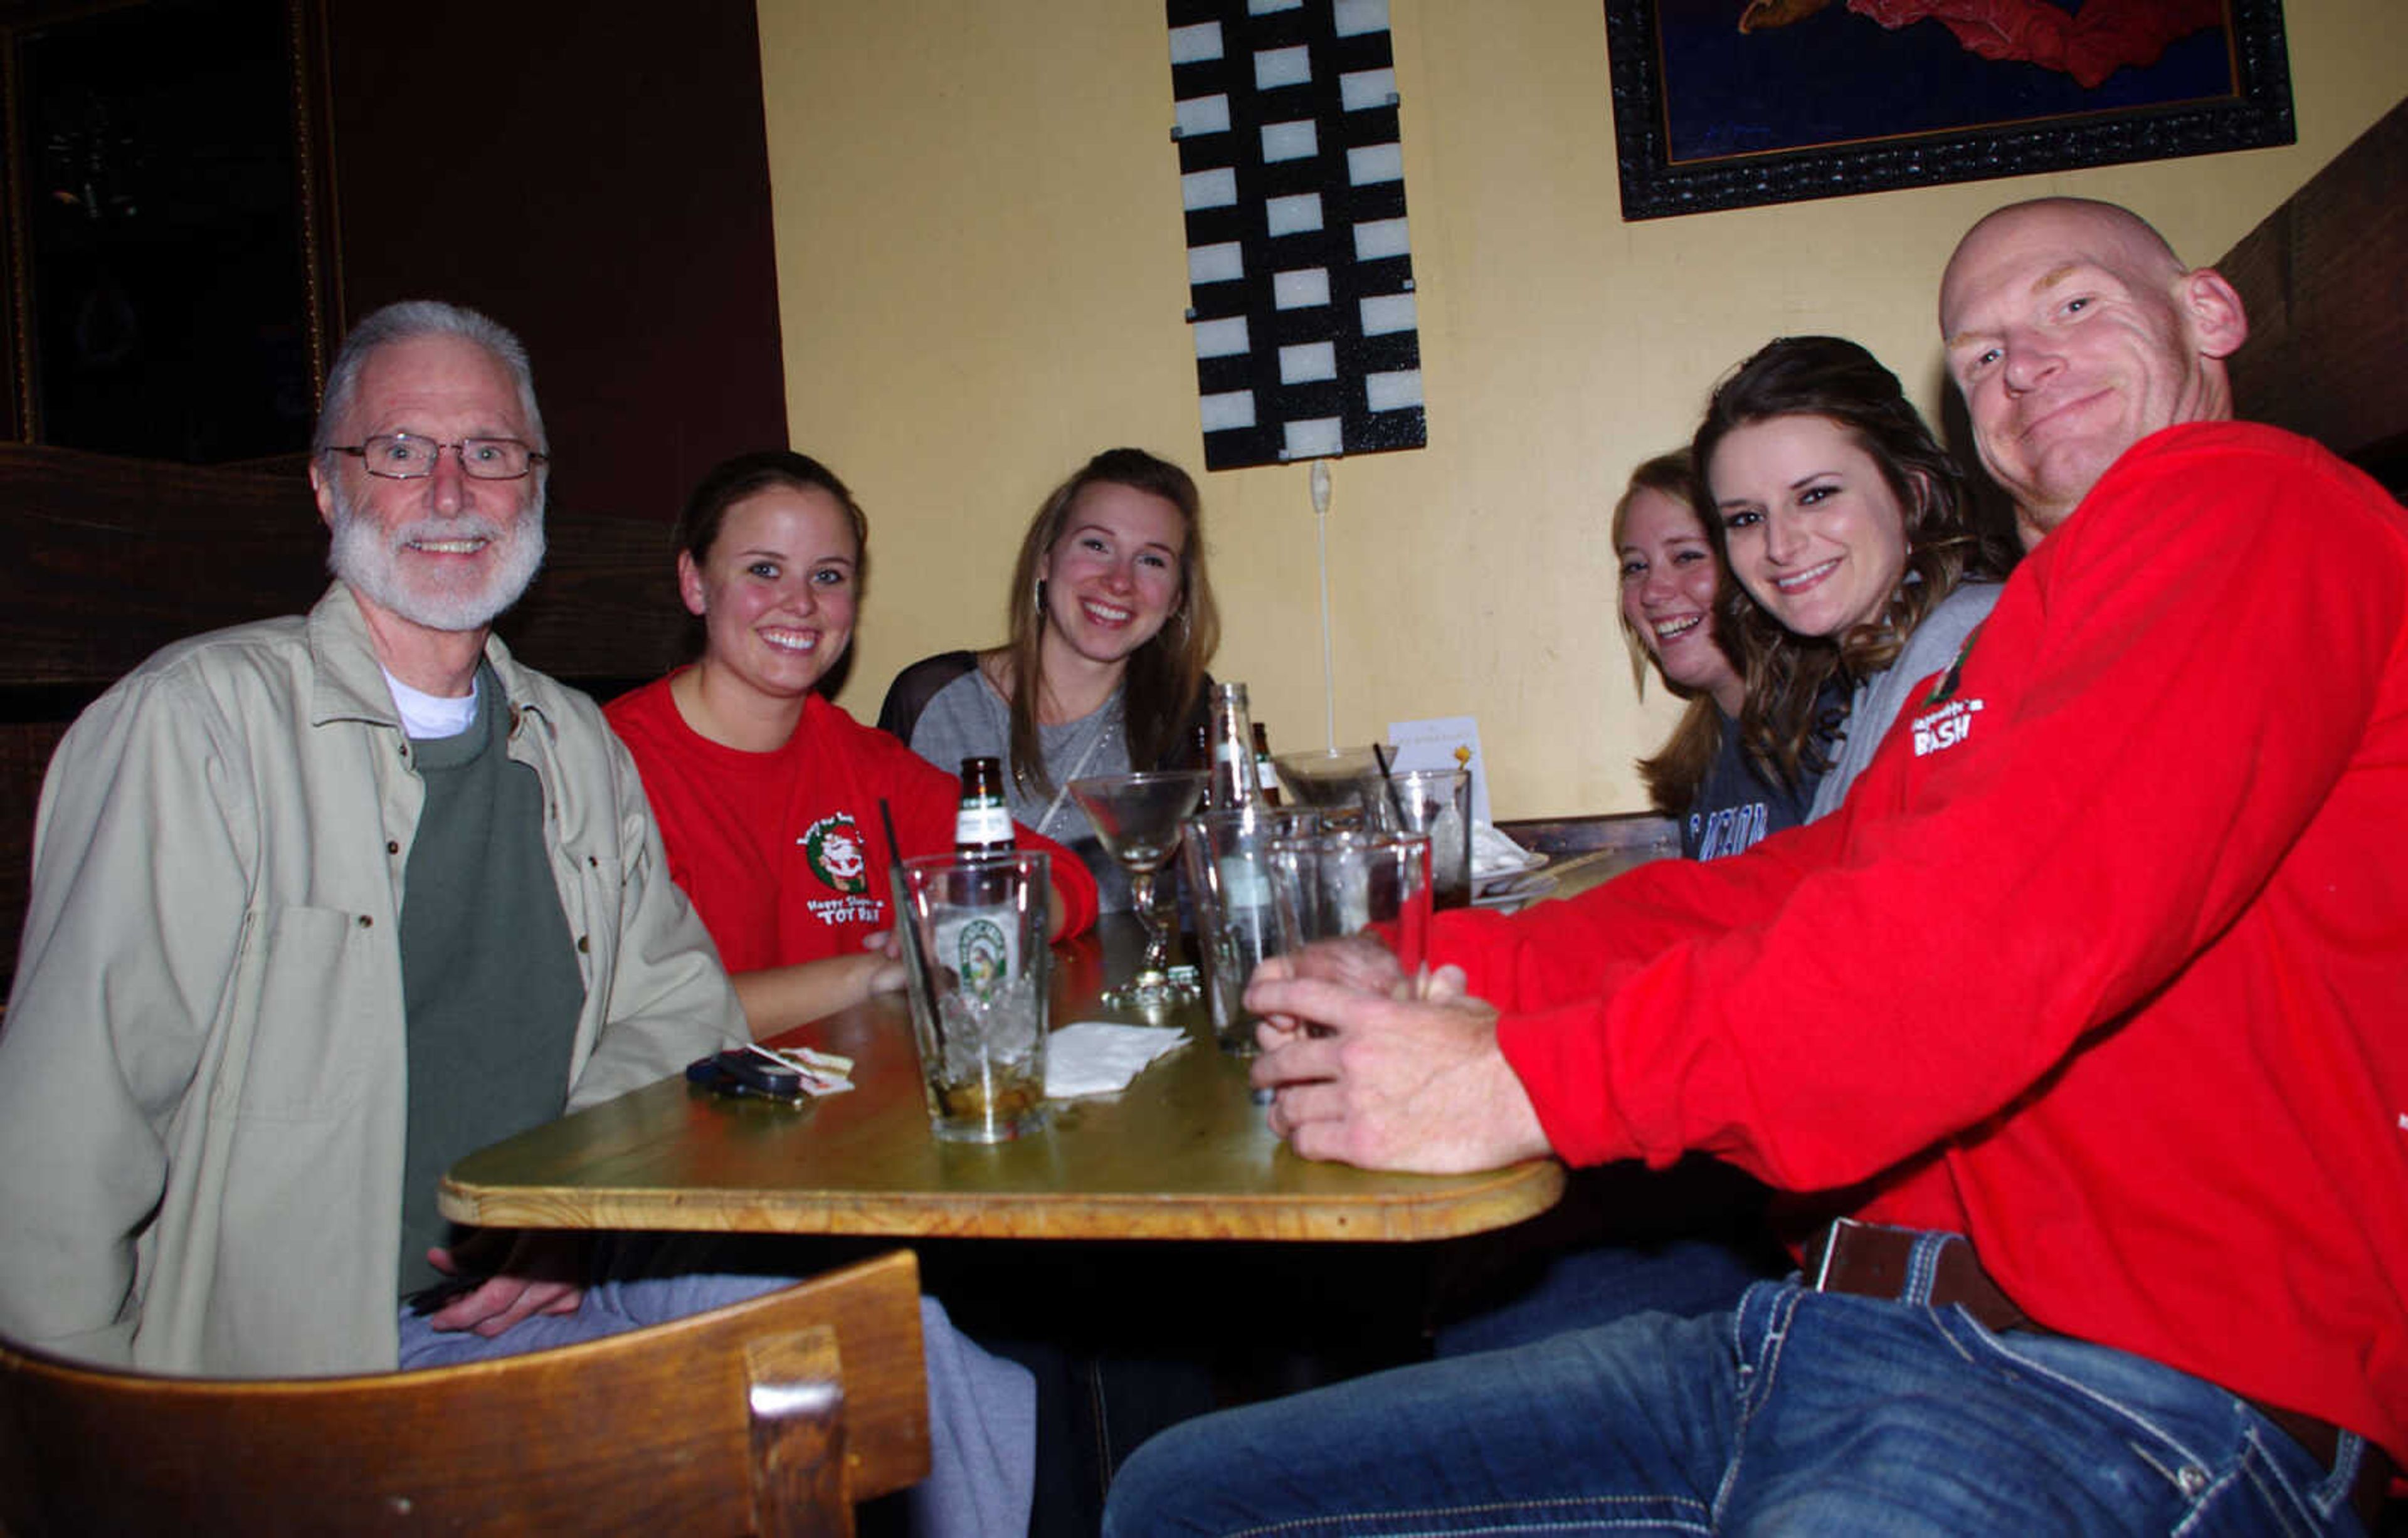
(742, 1072)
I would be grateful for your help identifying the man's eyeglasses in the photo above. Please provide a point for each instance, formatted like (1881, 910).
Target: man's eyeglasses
(405, 456)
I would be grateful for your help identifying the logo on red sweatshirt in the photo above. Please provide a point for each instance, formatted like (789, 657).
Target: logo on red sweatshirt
(1945, 727)
(833, 847)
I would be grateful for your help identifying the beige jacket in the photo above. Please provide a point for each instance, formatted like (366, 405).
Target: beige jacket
(202, 1065)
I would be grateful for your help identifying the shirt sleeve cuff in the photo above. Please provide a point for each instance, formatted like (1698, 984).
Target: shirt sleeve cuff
(1559, 1056)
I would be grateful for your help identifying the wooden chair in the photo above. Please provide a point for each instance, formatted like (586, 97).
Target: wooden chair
(770, 1417)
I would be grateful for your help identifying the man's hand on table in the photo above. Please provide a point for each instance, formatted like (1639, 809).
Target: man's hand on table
(1386, 1080)
(542, 1271)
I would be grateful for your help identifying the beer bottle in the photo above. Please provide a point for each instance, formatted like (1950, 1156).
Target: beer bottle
(1244, 878)
(983, 826)
(983, 833)
(1235, 781)
(1264, 774)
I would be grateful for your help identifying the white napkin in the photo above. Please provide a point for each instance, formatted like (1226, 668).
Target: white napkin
(1096, 1057)
(1493, 854)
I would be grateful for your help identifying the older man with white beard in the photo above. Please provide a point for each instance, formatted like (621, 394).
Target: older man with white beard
(320, 904)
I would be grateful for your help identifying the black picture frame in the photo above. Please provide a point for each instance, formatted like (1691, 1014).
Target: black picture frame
(1707, 118)
(167, 289)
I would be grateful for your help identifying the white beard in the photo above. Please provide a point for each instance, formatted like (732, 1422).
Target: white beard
(369, 560)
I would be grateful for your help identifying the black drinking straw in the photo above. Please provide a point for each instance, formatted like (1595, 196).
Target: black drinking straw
(912, 959)
(1380, 756)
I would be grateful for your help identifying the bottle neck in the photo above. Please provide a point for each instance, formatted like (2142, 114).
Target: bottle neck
(1235, 781)
(982, 825)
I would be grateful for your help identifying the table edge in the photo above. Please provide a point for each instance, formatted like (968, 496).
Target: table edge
(1508, 1196)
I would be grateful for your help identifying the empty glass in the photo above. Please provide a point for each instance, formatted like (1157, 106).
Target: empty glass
(1227, 858)
(1437, 802)
(1347, 882)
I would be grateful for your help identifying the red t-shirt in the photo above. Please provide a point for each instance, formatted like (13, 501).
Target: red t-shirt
(2104, 961)
(782, 853)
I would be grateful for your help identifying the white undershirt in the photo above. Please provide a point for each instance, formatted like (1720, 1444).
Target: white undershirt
(427, 716)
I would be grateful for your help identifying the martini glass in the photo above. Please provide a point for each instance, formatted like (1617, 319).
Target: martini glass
(1136, 817)
(1330, 780)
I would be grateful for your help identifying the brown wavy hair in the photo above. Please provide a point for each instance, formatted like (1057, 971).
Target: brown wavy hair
(1165, 674)
(1674, 772)
(1787, 720)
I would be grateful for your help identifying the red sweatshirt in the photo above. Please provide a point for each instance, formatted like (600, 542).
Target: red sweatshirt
(782, 853)
(2104, 963)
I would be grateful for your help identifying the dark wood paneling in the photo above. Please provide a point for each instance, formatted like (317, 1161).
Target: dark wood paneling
(603, 188)
(604, 613)
(104, 560)
(2326, 281)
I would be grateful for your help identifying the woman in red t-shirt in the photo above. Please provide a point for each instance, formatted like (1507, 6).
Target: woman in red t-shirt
(768, 795)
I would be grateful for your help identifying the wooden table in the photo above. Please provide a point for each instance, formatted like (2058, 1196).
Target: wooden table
(1183, 1153)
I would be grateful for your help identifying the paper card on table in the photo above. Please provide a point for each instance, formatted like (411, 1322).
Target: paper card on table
(1444, 742)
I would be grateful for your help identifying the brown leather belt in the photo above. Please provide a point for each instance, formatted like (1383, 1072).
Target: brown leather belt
(1871, 1261)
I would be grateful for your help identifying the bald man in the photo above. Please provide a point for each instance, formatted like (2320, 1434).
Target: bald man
(2082, 1018)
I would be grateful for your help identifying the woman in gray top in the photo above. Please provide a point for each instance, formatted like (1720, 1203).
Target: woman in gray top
(1860, 566)
(1111, 622)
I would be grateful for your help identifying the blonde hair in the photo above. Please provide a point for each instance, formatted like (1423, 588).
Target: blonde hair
(1673, 773)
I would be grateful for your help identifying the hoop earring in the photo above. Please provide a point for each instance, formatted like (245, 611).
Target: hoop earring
(1040, 594)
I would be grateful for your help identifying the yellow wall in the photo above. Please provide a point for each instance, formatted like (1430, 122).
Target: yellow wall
(981, 281)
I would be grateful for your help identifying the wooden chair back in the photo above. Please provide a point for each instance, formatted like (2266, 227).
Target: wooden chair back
(770, 1417)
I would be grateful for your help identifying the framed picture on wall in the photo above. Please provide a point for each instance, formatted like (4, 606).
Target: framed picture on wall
(167, 285)
(1723, 104)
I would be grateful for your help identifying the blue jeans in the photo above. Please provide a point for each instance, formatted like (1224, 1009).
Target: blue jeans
(1799, 1413)
(982, 1410)
(1583, 1288)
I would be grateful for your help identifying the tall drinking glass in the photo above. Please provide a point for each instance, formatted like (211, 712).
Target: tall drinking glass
(1348, 882)
(1227, 858)
(981, 971)
(1437, 802)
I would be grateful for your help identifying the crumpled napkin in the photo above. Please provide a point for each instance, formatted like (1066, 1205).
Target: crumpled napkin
(1493, 854)
(1096, 1057)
